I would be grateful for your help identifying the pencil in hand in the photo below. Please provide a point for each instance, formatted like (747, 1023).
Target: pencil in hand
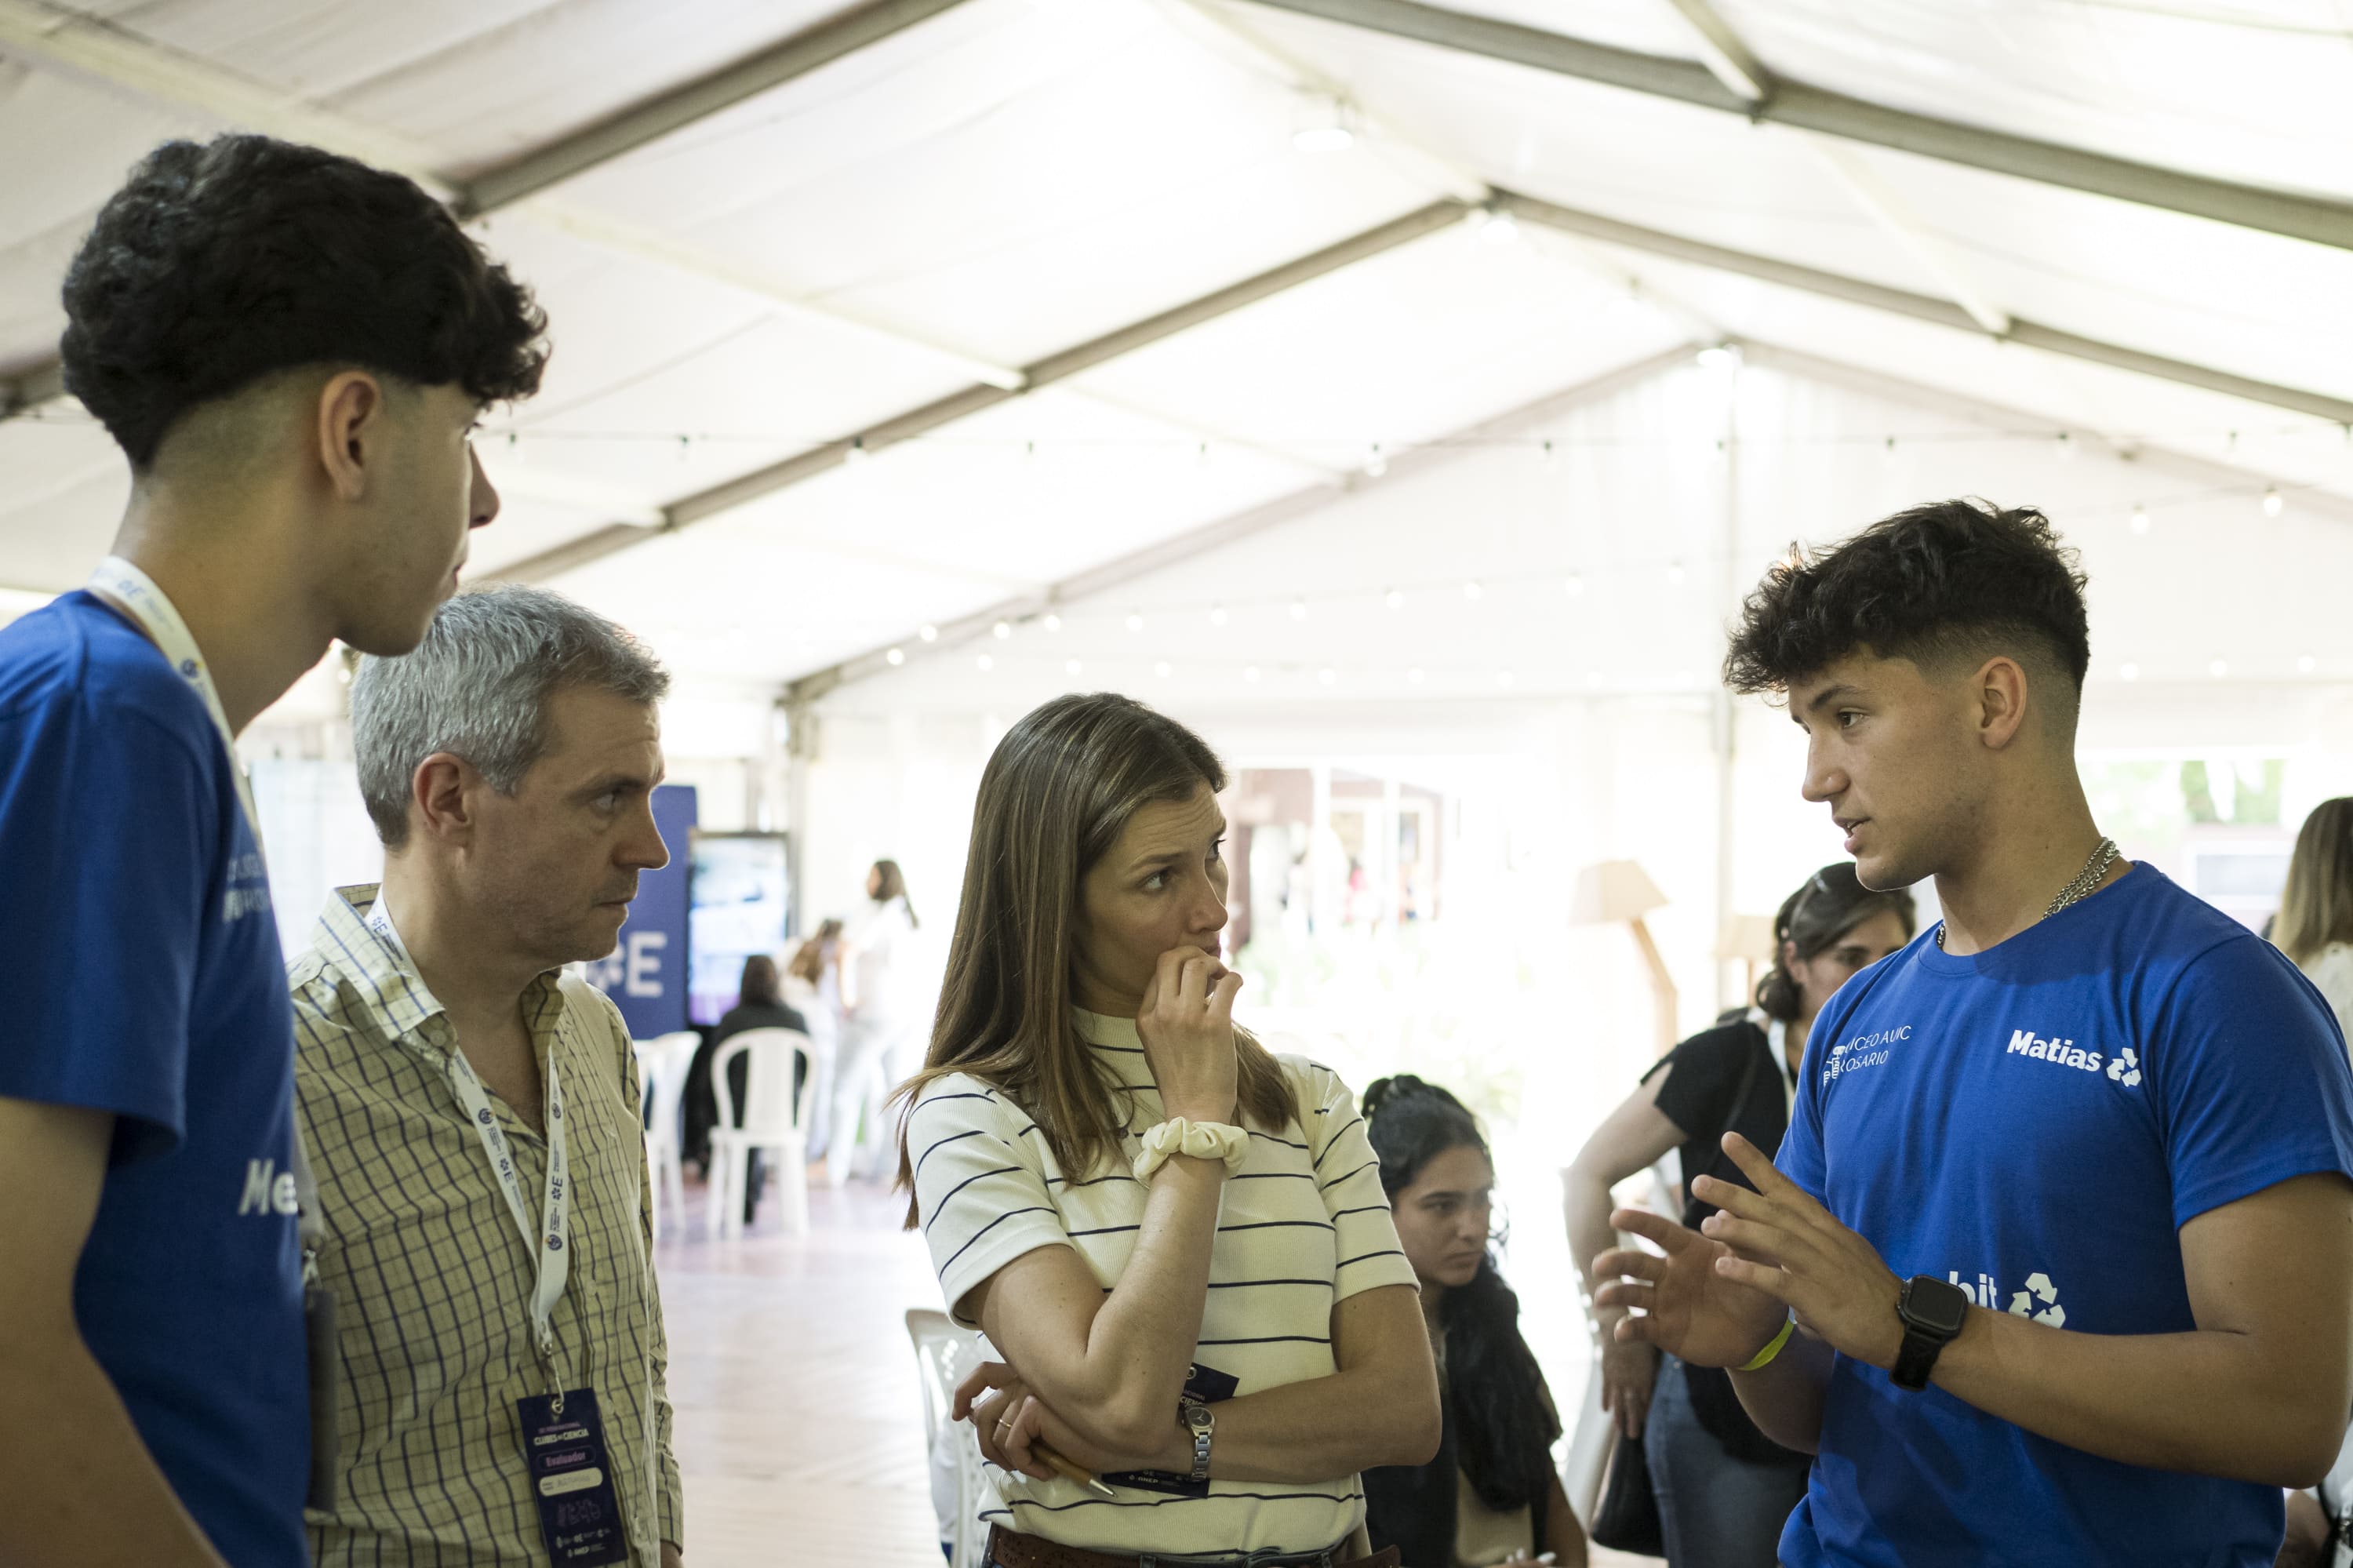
(1069, 1470)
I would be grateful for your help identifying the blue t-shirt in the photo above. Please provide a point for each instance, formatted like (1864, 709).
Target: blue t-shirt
(2035, 1123)
(143, 978)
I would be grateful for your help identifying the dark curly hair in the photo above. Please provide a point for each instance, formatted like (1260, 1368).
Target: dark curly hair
(218, 264)
(1503, 1426)
(1935, 584)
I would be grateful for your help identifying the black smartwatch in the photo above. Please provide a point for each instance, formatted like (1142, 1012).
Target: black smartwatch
(1932, 1310)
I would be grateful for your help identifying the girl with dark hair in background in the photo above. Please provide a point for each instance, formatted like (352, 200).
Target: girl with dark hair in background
(1491, 1495)
(1176, 1241)
(872, 965)
(1724, 1489)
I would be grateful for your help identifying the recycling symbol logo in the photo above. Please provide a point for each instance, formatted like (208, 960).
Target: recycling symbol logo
(2126, 1069)
(2040, 1289)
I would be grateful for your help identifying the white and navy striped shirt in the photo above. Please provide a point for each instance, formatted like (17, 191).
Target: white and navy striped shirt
(1302, 1226)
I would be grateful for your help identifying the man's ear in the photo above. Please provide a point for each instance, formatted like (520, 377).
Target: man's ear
(352, 426)
(438, 805)
(1998, 692)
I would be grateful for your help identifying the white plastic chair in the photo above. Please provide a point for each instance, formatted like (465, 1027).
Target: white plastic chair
(662, 1063)
(774, 1119)
(945, 1355)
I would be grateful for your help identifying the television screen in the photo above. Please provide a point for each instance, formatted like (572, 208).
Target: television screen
(739, 903)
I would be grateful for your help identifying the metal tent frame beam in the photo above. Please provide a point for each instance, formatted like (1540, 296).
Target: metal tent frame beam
(1441, 453)
(1795, 103)
(80, 46)
(804, 466)
(1920, 307)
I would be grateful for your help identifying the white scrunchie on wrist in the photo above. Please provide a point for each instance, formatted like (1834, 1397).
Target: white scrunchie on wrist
(1201, 1140)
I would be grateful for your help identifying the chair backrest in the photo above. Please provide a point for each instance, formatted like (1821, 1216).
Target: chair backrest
(944, 1354)
(769, 1103)
(663, 1062)
(937, 1340)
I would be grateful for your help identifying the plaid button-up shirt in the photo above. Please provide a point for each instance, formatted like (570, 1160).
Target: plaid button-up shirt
(433, 1280)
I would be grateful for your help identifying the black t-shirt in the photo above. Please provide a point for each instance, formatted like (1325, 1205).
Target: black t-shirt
(1702, 1096)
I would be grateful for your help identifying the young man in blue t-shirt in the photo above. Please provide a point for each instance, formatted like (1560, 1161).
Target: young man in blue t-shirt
(291, 350)
(2062, 1221)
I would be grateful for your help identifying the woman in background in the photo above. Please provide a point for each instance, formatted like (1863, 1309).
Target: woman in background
(874, 1022)
(813, 989)
(1724, 1489)
(2315, 927)
(1491, 1495)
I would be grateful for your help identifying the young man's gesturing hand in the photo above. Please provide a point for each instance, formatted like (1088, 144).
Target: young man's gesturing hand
(1716, 1297)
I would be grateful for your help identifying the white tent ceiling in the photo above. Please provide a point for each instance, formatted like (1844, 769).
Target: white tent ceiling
(980, 186)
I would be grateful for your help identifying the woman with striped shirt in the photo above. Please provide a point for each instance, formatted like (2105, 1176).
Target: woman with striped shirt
(1176, 1241)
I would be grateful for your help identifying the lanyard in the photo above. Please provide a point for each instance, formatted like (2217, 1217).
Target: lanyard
(133, 594)
(548, 1244)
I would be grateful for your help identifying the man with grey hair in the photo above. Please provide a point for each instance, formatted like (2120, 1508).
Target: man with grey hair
(474, 1116)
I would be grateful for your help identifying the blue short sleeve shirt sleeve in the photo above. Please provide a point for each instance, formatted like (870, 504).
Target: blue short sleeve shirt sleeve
(143, 979)
(2035, 1124)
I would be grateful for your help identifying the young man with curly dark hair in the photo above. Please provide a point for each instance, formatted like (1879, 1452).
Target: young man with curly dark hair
(291, 349)
(2062, 1222)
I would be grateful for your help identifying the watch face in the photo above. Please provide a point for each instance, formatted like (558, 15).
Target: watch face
(1197, 1417)
(1937, 1305)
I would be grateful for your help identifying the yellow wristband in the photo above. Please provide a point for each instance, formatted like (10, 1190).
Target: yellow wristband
(1764, 1358)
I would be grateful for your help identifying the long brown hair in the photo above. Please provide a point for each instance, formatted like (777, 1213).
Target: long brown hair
(1058, 792)
(891, 882)
(2316, 904)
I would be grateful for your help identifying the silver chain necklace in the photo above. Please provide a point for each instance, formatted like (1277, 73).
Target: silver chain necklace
(2103, 855)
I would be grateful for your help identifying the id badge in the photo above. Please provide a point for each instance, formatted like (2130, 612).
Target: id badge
(1203, 1385)
(572, 1480)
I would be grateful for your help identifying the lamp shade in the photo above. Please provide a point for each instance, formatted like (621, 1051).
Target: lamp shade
(1613, 890)
(1747, 937)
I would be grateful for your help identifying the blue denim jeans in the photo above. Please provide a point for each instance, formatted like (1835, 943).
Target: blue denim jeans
(1716, 1512)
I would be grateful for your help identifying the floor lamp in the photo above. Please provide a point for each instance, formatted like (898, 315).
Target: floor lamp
(1614, 891)
(1745, 941)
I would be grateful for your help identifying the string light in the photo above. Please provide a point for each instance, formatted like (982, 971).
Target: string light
(1472, 588)
(1251, 675)
(2273, 504)
(857, 452)
(2139, 518)
(1717, 356)
(2130, 672)
(2218, 668)
(1550, 458)
(1394, 599)
(1377, 463)
(1503, 678)
(1052, 622)
(1414, 677)
(1675, 573)
(1001, 630)
(1573, 584)
(928, 634)
(1327, 676)
(1498, 226)
(1298, 609)
(1324, 126)
(1161, 668)
(985, 663)
(1134, 621)
(1217, 615)
(2305, 664)
(1072, 666)
(896, 657)
(2066, 444)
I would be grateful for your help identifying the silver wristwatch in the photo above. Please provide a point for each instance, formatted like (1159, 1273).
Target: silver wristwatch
(1202, 1424)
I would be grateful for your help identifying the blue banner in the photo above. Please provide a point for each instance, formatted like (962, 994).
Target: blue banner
(646, 975)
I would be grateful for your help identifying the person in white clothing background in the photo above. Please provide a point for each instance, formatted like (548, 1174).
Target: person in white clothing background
(2315, 919)
(874, 1021)
(812, 984)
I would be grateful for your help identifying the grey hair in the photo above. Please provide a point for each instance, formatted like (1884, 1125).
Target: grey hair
(479, 686)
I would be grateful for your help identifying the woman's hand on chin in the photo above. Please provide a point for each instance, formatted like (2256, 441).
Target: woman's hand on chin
(1187, 1025)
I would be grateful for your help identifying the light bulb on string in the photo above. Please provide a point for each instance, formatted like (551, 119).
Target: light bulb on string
(1134, 621)
(2139, 518)
(857, 452)
(1498, 226)
(1472, 588)
(1217, 615)
(1394, 599)
(1675, 573)
(1051, 621)
(1323, 125)
(2273, 502)
(896, 657)
(1327, 677)
(2218, 667)
(1888, 451)
(1161, 668)
(1001, 630)
(1072, 666)
(1573, 584)
(1414, 677)
(1298, 609)
(1547, 456)
(1717, 356)
(1377, 462)
(1503, 678)
(928, 634)
(2305, 664)
(1251, 675)
(985, 663)
(2130, 670)
(2066, 444)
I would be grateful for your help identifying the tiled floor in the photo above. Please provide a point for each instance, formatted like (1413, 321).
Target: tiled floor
(799, 1424)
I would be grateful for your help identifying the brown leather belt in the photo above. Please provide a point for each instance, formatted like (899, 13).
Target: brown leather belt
(1009, 1550)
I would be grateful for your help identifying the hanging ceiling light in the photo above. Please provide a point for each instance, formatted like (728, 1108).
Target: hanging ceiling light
(1377, 463)
(929, 633)
(1718, 357)
(896, 657)
(1323, 124)
(2274, 503)
(1072, 666)
(1001, 630)
(2139, 518)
